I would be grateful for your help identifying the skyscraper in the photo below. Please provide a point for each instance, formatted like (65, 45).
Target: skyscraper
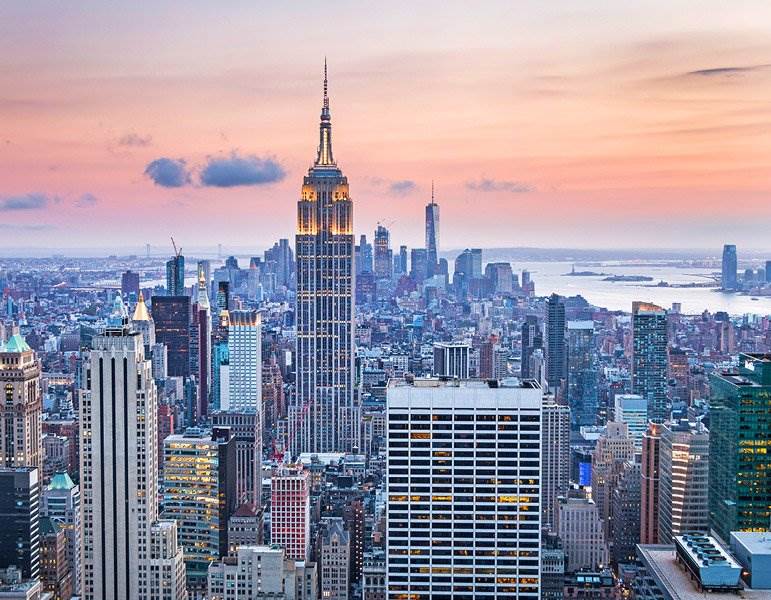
(383, 255)
(464, 468)
(21, 437)
(739, 442)
(650, 358)
(613, 449)
(119, 467)
(683, 483)
(61, 503)
(200, 338)
(649, 493)
(729, 268)
(175, 276)
(20, 516)
(172, 316)
(322, 419)
(555, 457)
(532, 339)
(451, 359)
(199, 493)
(290, 511)
(556, 355)
(432, 234)
(129, 285)
(581, 373)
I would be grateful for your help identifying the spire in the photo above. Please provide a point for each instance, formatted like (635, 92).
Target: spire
(432, 192)
(324, 157)
(203, 296)
(140, 312)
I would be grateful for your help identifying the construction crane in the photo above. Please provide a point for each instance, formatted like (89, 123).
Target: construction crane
(177, 251)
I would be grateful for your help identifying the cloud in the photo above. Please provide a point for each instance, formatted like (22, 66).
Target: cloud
(86, 201)
(727, 71)
(135, 140)
(26, 202)
(25, 227)
(236, 170)
(402, 187)
(168, 172)
(494, 185)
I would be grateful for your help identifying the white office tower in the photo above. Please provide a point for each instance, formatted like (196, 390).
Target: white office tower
(167, 565)
(119, 467)
(555, 458)
(245, 356)
(464, 512)
(451, 359)
(632, 409)
(683, 477)
(580, 528)
(262, 573)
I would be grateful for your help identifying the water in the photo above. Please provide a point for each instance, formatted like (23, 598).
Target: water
(549, 277)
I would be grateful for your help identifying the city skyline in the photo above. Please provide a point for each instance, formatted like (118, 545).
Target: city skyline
(627, 119)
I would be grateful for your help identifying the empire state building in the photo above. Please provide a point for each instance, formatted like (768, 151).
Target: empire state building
(322, 416)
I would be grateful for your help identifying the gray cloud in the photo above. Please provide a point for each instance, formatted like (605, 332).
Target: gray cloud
(87, 200)
(134, 140)
(236, 170)
(494, 185)
(25, 202)
(168, 172)
(402, 187)
(25, 227)
(728, 71)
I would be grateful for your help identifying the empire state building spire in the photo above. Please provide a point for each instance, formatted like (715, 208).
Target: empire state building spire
(324, 157)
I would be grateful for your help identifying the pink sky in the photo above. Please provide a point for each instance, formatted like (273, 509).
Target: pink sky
(590, 124)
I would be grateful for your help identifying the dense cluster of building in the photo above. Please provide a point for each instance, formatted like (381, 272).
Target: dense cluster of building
(345, 420)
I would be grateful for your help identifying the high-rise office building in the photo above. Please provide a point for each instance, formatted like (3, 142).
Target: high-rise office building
(625, 507)
(383, 254)
(323, 419)
(683, 481)
(245, 426)
(556, 350)
(579, 526)
(403, 259)
(632, 409)
(613, 449)
(739, 455)
(464, 468)
(451, 359)
(60, 502)
(55, 574)
(501, 277)
(334, 559)
(649, 492)
(129, 285)
(532, 339)
(200, 345)
(290, 511)
(650, 358)
(21, 436)
(20, 516)
(244, 361)
(172, 316)
(555, 457)
(418, 265)
(768, 271)
(119, 466)
(199, 493)
(432, 234)
(581, 373)
(728, 278)
(175, 276)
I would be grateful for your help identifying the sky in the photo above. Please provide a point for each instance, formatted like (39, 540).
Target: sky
(577, 123)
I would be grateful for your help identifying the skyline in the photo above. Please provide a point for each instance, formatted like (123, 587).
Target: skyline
(546, 109)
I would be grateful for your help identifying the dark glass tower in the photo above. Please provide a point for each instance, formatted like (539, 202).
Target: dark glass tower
(740, 447)
(432, 234)
(322, 416)
(172, 316)
(650, 358)
(728, 278)
(556, 355)
(175, 276)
